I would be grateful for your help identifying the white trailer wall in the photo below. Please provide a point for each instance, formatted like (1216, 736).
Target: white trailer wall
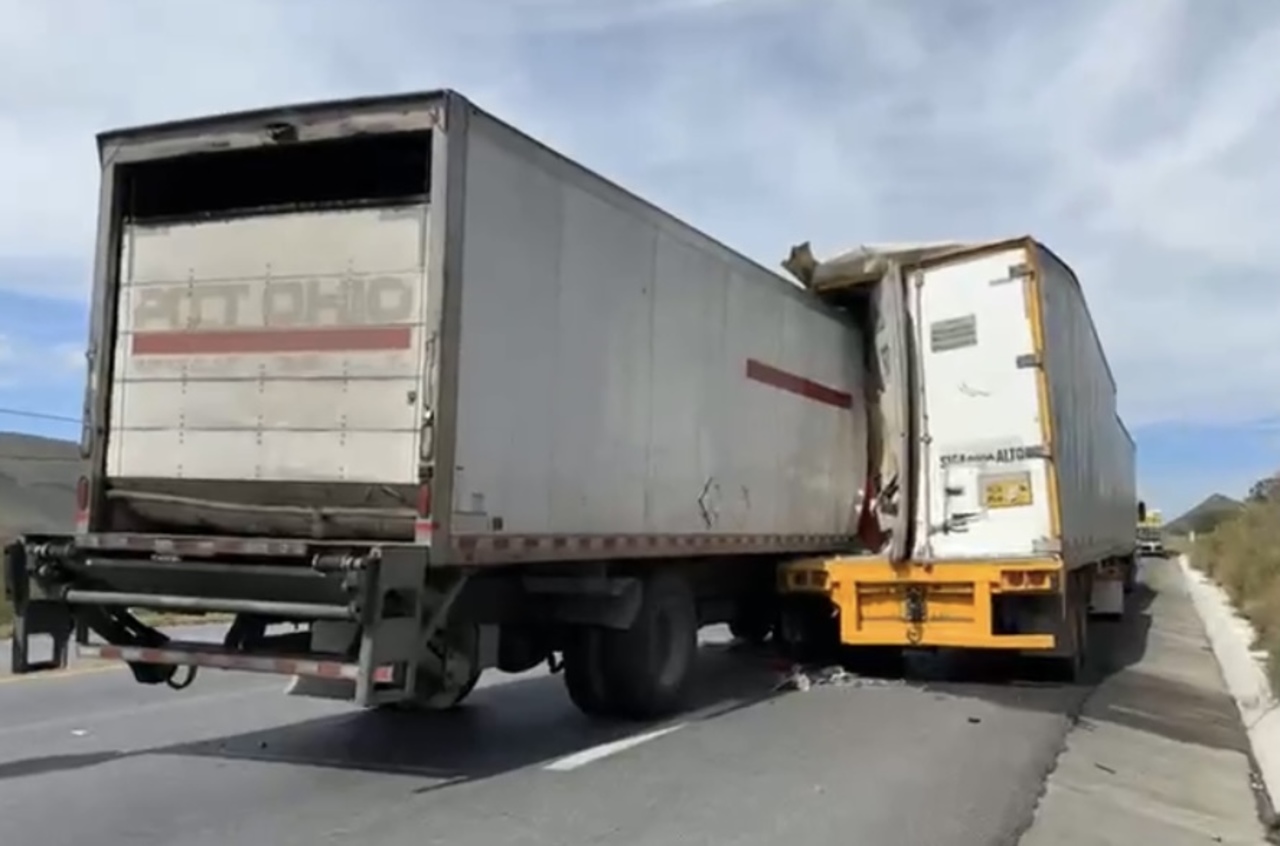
(1094, 455)
(625, 379)
(987, 488)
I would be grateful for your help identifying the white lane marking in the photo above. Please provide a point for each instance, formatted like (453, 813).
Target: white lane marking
(604, 750)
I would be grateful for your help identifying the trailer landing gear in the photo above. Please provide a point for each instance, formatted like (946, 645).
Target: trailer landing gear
(641, 672)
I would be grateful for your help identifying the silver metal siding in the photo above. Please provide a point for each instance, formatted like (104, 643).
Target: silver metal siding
(1093, 454)
(602, 354)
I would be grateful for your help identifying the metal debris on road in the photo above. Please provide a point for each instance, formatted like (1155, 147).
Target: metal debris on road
(802, 678)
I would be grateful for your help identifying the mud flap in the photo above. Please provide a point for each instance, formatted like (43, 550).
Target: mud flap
(1107, 598)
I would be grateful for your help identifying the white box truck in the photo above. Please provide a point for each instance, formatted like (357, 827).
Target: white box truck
(395, 372)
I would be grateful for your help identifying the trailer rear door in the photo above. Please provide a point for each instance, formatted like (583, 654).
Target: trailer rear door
(985, 471)
(287, 346)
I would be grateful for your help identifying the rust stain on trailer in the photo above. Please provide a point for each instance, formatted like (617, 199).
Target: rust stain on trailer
(249, 341)
(793, 383)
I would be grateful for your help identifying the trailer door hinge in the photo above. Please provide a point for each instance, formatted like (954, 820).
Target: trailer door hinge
(1028, 361)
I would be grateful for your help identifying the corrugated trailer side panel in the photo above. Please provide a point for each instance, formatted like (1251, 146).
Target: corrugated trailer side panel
(628, 386)
(1127, 512)
(1093, 454)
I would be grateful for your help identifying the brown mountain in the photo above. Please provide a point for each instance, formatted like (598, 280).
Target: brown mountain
(1205, 516)
(37, 483)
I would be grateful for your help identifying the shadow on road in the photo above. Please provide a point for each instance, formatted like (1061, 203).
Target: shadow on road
(501, 728)
(1176, 691)
(524, 722)
(1023, 682)
(55, 763)
(1029, 682)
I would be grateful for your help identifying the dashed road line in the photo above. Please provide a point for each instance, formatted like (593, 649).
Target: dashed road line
(604, 750)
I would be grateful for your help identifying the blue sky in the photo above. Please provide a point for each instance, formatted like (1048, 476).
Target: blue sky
(1135, 137)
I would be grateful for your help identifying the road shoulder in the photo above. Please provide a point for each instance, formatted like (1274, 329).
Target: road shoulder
(1159, 754)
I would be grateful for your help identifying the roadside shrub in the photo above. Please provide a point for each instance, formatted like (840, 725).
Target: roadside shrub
(1243, 555)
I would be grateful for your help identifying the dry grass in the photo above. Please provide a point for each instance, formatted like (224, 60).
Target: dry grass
(1243, 555)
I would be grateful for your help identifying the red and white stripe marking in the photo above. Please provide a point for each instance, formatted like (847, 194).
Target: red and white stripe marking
(194, 547)
(231, 661)
(490, 547)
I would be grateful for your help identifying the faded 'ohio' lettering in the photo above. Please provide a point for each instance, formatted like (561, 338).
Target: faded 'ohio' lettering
(277, 303)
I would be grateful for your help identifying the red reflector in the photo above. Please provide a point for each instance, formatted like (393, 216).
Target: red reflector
(82, 494)
(424, 500)
(1038, 579)
(1015, 577)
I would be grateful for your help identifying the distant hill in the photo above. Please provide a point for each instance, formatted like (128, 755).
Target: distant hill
(37, 483)
(1205, 516)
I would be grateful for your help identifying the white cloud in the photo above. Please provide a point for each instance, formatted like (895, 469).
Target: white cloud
(6, 362)
(25, 363)
(1136, 137)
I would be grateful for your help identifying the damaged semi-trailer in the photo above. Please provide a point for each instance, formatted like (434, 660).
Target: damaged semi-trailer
(438, 399)
(1003, 478)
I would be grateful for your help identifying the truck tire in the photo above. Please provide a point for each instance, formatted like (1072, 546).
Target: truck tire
(447, 697)
(444, 698)
(647, 668)
(1070, 666)
(1130, 574)
(443, 684)
(584, 676)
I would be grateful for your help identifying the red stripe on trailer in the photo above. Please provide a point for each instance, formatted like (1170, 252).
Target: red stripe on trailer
(793, 383)
(249, 341)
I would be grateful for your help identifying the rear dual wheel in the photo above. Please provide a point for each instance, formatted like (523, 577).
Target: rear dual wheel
(1070, 665)
(643, 672)
(1131, 574)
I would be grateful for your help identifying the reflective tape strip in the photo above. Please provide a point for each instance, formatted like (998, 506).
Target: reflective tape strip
(234, 661)
(515, 547)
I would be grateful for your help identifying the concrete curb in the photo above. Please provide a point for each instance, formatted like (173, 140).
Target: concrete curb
(1232, 636)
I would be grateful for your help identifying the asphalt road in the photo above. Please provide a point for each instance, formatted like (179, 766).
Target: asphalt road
(91, 757)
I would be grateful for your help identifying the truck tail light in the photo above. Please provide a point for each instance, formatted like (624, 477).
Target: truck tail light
(424, 526)
(82, 505)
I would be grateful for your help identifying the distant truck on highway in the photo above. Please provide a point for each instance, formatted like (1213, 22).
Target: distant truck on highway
(395, 375)
(1151, 533)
